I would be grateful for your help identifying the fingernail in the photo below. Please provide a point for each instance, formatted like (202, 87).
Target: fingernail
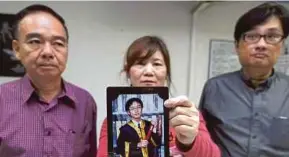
(166, 102)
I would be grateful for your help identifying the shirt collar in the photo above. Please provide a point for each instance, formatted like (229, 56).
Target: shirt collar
(27, 91)
(26, 88)
(265, 84)
(136, 123)
(68, 92)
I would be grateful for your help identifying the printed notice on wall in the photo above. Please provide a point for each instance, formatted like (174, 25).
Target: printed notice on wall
(223, 57)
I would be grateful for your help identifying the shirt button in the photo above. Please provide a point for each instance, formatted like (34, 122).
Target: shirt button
(256, 114)
(47, 154)
(47, 132)
(254, 137)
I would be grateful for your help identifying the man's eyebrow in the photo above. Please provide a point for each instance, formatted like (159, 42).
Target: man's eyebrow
(274, 29)
(37, 35)
(136, 106)
(32, 35)
(57, 37)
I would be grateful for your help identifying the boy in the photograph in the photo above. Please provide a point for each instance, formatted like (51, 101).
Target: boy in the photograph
(137, 138)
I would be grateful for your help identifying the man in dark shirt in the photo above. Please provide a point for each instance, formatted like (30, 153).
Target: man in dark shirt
(247, 111)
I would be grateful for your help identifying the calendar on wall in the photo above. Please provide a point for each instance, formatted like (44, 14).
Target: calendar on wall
(223, 58)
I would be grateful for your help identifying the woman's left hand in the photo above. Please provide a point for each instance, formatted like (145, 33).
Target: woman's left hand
(184, 118)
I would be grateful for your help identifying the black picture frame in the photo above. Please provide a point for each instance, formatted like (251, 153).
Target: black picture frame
(113, 93)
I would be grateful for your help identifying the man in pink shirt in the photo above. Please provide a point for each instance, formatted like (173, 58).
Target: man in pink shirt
(42, 115)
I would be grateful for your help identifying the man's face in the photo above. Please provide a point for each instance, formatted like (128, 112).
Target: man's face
(259, 53)
(135, 111)
(41, 45)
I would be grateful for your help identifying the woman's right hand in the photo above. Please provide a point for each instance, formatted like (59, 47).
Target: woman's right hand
(174, 152)
(142, 143)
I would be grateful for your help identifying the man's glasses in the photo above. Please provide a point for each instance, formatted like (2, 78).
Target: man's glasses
(135, 108)
(270, 38)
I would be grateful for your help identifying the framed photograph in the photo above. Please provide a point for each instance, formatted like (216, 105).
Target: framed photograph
(9, 64)
(137, 122)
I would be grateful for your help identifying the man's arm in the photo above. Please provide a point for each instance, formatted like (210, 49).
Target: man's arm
(92, 110)
(156, 138)
(6, 151)
(92, 138)
(120, 143)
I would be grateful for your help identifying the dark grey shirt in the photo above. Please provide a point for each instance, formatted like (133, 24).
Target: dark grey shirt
(247, 122)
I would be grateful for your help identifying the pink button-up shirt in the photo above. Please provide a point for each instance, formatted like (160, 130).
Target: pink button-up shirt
(30, 127)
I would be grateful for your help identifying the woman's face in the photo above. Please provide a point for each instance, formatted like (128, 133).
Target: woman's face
(151, 72)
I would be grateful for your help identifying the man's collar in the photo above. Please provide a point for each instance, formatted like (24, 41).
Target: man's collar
(136, 123)
(267, 83)
(27, 90)
(68, 92)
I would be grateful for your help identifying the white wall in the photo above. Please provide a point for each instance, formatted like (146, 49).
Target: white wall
(100, 32)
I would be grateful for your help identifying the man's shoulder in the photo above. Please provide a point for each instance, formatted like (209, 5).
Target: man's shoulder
(10, 86)
(77, 91)
(125, 127)
(282, 77)
(146, 122)
(80, 96)
(75, 87)
(223, 78)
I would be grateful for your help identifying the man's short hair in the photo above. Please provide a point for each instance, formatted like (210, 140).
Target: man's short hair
(130, 101)
(34, 9)
(260, 15)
